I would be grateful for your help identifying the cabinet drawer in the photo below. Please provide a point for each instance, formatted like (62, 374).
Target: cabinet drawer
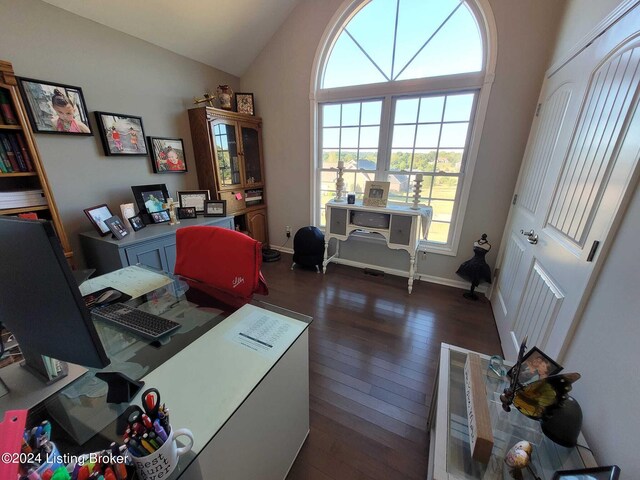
(338, 220)
(400, 229)
(233, 204)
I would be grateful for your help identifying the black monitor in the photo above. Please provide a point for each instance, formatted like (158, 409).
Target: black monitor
(40, 300)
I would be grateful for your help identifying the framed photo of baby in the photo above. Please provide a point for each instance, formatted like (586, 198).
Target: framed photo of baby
(167, 155)
(121, 134)
(54, 107)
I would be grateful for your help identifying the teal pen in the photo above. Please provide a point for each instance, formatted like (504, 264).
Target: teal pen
(46, 429)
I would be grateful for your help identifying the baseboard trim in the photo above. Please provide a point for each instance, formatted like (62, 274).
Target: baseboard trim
(281, 249)
(419, 276)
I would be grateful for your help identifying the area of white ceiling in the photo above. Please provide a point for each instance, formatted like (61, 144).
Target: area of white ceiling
(225, 34)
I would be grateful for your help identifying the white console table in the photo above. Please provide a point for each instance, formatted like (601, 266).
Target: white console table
(401, 227)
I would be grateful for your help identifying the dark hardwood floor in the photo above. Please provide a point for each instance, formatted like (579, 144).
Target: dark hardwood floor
(373, 352)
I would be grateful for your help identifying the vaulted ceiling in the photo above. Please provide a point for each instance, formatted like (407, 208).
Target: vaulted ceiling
(225, 34)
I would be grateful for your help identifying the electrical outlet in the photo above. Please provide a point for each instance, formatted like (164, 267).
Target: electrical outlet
(288, 231)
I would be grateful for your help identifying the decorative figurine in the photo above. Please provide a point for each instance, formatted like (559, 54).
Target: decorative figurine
(340, 183)
(171, 206)
(207, 98)
(417, 187)
(476, 269)
(518, 458)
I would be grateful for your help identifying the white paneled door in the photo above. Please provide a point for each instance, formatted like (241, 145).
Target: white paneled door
(579, 168)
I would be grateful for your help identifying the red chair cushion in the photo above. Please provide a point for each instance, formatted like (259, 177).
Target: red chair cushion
(227, 260)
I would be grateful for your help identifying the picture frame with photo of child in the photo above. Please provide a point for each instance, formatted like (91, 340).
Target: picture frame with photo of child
(121, 134)
(55, 107)
(167, 155)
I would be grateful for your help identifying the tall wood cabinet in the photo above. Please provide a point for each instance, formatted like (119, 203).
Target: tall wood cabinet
(23, 174)
(228, 151)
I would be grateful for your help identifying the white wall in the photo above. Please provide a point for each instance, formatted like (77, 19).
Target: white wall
(604, 348)
(117, 73)
(280, 79)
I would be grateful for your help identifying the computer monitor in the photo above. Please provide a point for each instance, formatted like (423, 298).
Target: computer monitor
(41, 303)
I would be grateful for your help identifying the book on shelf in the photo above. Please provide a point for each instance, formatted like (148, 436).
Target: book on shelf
(29, 215)
(6, 109)
(17, 152)
(25, 153)
(5, 166)
(17, 198)
(9, 152)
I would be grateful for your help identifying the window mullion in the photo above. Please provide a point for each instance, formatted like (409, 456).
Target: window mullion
(384, 148)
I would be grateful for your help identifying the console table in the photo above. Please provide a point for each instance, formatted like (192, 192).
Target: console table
(153, 246)
(401, 227)
(449, 449)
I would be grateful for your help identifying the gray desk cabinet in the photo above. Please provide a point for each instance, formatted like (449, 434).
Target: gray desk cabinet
(154, 246)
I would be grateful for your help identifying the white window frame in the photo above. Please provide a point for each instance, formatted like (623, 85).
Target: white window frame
(480, 81)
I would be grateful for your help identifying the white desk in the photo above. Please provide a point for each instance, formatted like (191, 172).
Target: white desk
(401, 227)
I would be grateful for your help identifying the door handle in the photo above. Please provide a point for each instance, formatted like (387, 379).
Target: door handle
(532, 237)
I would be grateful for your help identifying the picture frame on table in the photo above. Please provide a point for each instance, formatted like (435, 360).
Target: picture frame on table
(97, 215)
(136, 223)
(193, 198)
(55, 107)
(594, 473)
(215, 208)
(117, 227)
(535, 365)
(121, 134)
(149, 199)
(376, 194)
(167, 155)
(244, 103)
(186, 212)
(160, 217)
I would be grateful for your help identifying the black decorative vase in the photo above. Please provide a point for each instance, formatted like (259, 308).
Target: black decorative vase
(563, 424)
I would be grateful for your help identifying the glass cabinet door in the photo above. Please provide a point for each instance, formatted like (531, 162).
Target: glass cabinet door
(228, 165)
(251, 150)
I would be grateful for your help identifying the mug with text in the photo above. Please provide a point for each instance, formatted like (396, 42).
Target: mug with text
(164, 460)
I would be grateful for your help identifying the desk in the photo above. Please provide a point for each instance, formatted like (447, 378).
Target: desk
(401, 227)
(449, 451)
(248, 409)
(154, 246)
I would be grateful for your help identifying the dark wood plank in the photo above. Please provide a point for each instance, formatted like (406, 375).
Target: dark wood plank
(373, 355)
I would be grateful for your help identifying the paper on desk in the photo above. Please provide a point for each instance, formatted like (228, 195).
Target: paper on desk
(260, 332)
(134, 281)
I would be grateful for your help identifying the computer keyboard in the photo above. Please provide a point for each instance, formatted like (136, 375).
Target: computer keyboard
(143, 323)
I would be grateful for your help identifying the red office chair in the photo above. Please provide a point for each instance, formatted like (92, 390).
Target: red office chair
(222, 263)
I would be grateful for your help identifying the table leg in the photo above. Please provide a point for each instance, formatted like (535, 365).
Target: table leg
(324, 263)
(412, 263)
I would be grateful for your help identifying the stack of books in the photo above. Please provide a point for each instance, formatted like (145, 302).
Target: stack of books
(22, 198)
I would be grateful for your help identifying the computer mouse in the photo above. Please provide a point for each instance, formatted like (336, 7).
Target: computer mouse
(108, 296)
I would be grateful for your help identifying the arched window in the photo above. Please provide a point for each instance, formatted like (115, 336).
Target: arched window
(397, 88)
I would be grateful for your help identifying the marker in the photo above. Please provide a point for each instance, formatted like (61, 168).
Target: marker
(46, 429)
(159, 430)
(151, 441)
(132, 450)
(48, 473)
(121, 471)
(156, 438)
(109, 475)
(25, 447)
(33, 474)
(147, 421)
(76, 470)
(147, 445)
(133, 443)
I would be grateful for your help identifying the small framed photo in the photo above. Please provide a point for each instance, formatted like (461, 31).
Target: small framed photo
(186, 212)
(215, 208)
(97, 215)
(193, 198)
(167, 155)
(376, 194)
(121, 134)
(160, 217)
(595, 473)
(117, 228)
(535, 365)
(244, 103)
(54, 107)
(136, 223)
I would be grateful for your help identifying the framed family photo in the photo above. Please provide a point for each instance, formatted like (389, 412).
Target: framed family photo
(121, 134)
(149, 199)
(167, 155)
(136, 223)
(535, 366)
(215, 208)
(193, 198)
(54, 107)
(116, 226)
(97, 216)
(376, 194)
(186, 212)
(160, 217)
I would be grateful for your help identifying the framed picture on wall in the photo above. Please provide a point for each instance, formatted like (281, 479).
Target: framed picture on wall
(54, 107)
(121, 134)
(167, 155)
(244, 103)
